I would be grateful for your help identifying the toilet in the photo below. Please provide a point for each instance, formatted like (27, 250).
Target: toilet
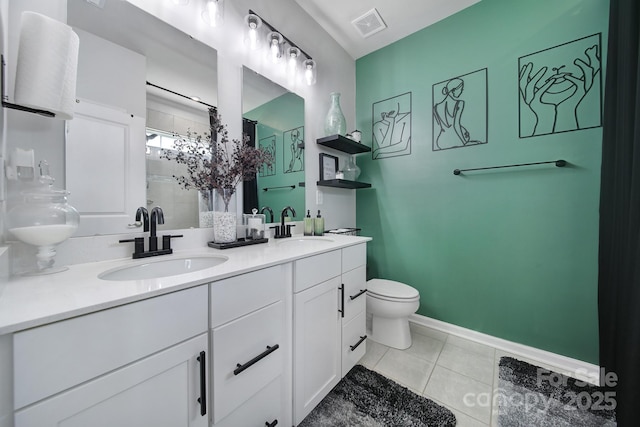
(390, 304)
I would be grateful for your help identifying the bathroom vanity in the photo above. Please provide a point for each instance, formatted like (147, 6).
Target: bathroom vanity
(258, 339)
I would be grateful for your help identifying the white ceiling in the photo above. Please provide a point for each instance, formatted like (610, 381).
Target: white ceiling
(402, 17)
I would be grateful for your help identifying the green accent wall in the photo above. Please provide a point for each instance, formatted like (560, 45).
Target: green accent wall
(508, 252)
(274, 118)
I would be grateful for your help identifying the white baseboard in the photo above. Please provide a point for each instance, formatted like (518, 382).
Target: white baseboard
(575, 368)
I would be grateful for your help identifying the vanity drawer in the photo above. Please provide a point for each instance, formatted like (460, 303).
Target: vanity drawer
(236, 296)
(355, 296)
(316, 269)
(55, 357)
(354, 256)
(352, 336)
(263, 408)
(249, 341)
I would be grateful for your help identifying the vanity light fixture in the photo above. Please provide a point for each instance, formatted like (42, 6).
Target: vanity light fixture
(309, 72)
(213, 12)
(275, 46)
(252, 36)
(279, 46)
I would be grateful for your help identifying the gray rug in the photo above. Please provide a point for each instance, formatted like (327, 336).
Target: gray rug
(531, 396)
(366, 398)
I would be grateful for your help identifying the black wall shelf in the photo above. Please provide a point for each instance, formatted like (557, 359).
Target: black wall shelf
(342, 143)
(343, 183)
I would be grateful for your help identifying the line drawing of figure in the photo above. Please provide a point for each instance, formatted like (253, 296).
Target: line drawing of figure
(269, 145)
(392, 132)
(447, 116)
(296, 163)
(555, 99)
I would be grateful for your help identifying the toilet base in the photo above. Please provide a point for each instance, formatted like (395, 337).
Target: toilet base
(391, 332)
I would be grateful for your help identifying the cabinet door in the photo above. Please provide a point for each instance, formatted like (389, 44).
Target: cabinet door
(317, 340)
(161, 391)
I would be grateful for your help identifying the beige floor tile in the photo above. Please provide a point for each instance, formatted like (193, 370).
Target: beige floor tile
(374, 353)
(469, 345)
(425, 347)
(408, 370)
(475, 365)
(464, 394)
(426, 331)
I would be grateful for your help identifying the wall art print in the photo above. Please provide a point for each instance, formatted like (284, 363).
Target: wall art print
(561, 88)
(460, 106)
(293, 149)
(392, 127)
(269, 145)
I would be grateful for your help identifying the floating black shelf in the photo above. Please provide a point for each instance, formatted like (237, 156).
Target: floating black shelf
(343, 183)
(344, 144)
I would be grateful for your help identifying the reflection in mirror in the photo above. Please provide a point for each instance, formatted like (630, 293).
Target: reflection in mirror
(274, 118)
(165, 57)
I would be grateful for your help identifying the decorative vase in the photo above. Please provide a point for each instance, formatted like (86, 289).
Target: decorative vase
(351, 170)
(335, 122)
(224, 216)
(205, 208)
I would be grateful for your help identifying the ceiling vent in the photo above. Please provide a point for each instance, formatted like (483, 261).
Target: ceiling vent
(369, 23)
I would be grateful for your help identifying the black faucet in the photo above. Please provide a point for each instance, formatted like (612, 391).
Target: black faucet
(284, 230)
(268, 209)
(143, 214)
(157, 217)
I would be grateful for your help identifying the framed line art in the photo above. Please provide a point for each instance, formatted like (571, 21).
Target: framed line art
(328, 167)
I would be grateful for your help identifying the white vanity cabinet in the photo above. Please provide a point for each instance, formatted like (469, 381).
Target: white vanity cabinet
(143, 363)
(329, 323)
(251, 341)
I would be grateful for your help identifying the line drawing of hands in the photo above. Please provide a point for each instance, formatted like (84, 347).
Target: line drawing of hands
(531, 94)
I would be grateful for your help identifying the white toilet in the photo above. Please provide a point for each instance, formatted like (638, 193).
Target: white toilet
(390, 303)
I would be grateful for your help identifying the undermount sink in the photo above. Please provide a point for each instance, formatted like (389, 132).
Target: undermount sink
(305, 241)
(162, 268)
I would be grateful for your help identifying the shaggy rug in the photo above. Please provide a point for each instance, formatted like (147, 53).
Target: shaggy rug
(366, 398)
(528, 395)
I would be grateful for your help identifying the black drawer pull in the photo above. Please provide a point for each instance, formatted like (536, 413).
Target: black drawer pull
(272, 424)
(202, 400)
(362, 291)
(362, 338)
(256, 359)
(341, 310)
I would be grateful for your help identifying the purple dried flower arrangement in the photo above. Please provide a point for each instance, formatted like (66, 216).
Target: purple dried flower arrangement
(216, 165)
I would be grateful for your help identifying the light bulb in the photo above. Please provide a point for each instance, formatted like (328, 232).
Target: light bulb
(212, 13)
(252, 39)
(310, 72)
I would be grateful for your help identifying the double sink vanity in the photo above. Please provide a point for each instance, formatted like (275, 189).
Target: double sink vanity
(249, 336)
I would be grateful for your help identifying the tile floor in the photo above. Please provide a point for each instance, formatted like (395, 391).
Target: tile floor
(454, 372)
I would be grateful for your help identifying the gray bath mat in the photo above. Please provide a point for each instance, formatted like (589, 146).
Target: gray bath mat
(366, 398)
(528, 395)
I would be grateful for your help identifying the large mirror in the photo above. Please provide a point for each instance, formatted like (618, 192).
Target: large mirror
(114, 38)
(273, 117)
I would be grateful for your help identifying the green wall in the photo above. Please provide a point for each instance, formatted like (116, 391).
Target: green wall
(509, 252)
(274, 118)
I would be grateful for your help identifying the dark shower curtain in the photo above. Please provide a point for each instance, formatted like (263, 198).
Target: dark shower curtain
(619, 251)
(250, 188)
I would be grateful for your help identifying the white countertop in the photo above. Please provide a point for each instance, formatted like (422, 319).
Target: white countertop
(29, 301)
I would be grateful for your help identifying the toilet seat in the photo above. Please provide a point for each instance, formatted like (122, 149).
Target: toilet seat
(391, 290)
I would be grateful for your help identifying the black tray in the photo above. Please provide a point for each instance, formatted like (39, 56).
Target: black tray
(236, 244)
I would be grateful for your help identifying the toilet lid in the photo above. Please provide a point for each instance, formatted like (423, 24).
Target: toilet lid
(390, 288)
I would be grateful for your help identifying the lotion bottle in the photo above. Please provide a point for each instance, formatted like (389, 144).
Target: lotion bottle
(308, 224)
(319, 225)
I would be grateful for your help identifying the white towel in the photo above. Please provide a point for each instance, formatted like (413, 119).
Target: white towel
(47, 65)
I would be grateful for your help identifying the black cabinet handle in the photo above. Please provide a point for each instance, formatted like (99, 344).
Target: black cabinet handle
(360, 341)
(362, 291)
(271, 424)
(341, 310)
(202, 400)
(268, 351)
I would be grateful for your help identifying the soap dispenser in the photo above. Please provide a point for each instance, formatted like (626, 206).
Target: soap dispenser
(319, 225)
(308, 224)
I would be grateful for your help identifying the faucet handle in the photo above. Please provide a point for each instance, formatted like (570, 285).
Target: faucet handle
(138, 244)
(166, 241)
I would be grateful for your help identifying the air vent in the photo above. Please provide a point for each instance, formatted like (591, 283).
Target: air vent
(369, 23)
